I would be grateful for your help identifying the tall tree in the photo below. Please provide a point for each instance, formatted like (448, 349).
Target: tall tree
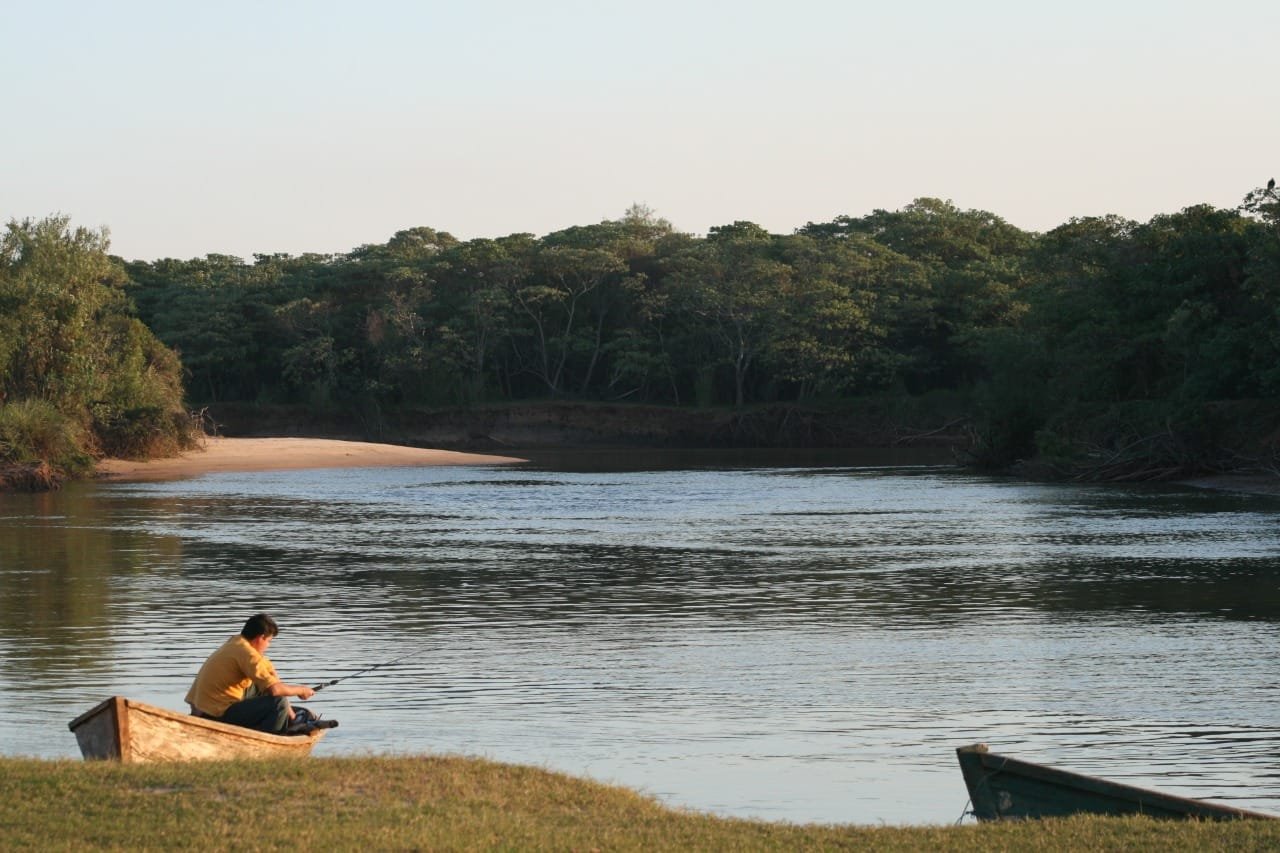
(1262, 283)
(565, 302)
(733, 283)
(477, 281)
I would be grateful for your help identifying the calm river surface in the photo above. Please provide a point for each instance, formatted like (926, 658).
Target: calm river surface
(802, 640)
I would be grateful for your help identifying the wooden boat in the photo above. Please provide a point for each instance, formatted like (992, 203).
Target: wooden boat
(1003, 788)
(133, 732)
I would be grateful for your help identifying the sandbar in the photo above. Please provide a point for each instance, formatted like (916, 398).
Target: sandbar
(219, 455)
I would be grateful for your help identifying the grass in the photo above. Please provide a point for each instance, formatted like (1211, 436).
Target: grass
(443, 803)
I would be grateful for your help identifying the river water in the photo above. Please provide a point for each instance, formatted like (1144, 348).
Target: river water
(801, 639)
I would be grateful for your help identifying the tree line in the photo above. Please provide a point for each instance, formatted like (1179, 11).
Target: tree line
(1067, 343)
(621, 310)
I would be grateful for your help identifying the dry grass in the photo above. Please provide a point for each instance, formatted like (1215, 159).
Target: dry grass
(433, 803)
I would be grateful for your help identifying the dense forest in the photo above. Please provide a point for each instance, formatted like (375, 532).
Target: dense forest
(1103, 348)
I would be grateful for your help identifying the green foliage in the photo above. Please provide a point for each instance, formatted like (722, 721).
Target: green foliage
(964, 270)
(1132, 331)
(79, 375)
(35, 431)
(624, 309)
(1046, 333)
(1262, 285)
(1059, 339)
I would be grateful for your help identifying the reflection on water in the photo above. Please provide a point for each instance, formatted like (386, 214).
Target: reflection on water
(799, 643)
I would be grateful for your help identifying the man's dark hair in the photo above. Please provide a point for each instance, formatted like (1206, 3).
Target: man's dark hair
(258, 625)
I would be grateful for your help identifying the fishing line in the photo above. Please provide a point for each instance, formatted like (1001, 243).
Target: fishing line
(322, 685)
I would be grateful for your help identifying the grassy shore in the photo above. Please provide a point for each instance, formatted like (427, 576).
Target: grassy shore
(437, 803)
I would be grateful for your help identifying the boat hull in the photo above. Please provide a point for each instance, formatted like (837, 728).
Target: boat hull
(133, 732)
(1003, 788)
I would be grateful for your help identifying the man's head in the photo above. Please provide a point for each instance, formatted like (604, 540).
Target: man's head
(259, 625)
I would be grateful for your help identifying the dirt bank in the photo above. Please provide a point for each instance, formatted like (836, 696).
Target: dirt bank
(29, 477)
(1254, 484)
(562, 425)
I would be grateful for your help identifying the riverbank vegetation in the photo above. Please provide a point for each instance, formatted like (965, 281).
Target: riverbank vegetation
(80, 375)
(442, 803)
(1104, 349)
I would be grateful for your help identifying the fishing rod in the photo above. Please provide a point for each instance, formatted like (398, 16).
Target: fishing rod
(322, 685)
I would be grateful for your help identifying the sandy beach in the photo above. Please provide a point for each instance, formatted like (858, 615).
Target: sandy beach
(283, 454)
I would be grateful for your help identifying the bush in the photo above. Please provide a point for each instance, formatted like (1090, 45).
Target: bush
(147, 432)
(35, 431)
(139, 414)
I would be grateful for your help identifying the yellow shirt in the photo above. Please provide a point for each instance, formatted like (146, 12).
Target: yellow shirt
(227, 674)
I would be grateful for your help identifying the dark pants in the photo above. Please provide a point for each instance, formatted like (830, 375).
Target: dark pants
(264, 713)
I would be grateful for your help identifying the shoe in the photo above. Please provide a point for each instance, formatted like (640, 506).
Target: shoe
(301, 728)
(302, 722)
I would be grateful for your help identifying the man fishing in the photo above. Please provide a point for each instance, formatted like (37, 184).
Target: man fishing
(238, 683)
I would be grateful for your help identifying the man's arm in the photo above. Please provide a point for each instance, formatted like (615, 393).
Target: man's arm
(300, 690)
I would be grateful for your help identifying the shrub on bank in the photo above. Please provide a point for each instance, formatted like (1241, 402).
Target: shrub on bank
(34, 431)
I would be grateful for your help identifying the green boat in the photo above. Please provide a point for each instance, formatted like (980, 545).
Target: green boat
(1003, 788)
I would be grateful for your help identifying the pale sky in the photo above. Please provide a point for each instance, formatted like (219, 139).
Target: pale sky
(244, 127)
